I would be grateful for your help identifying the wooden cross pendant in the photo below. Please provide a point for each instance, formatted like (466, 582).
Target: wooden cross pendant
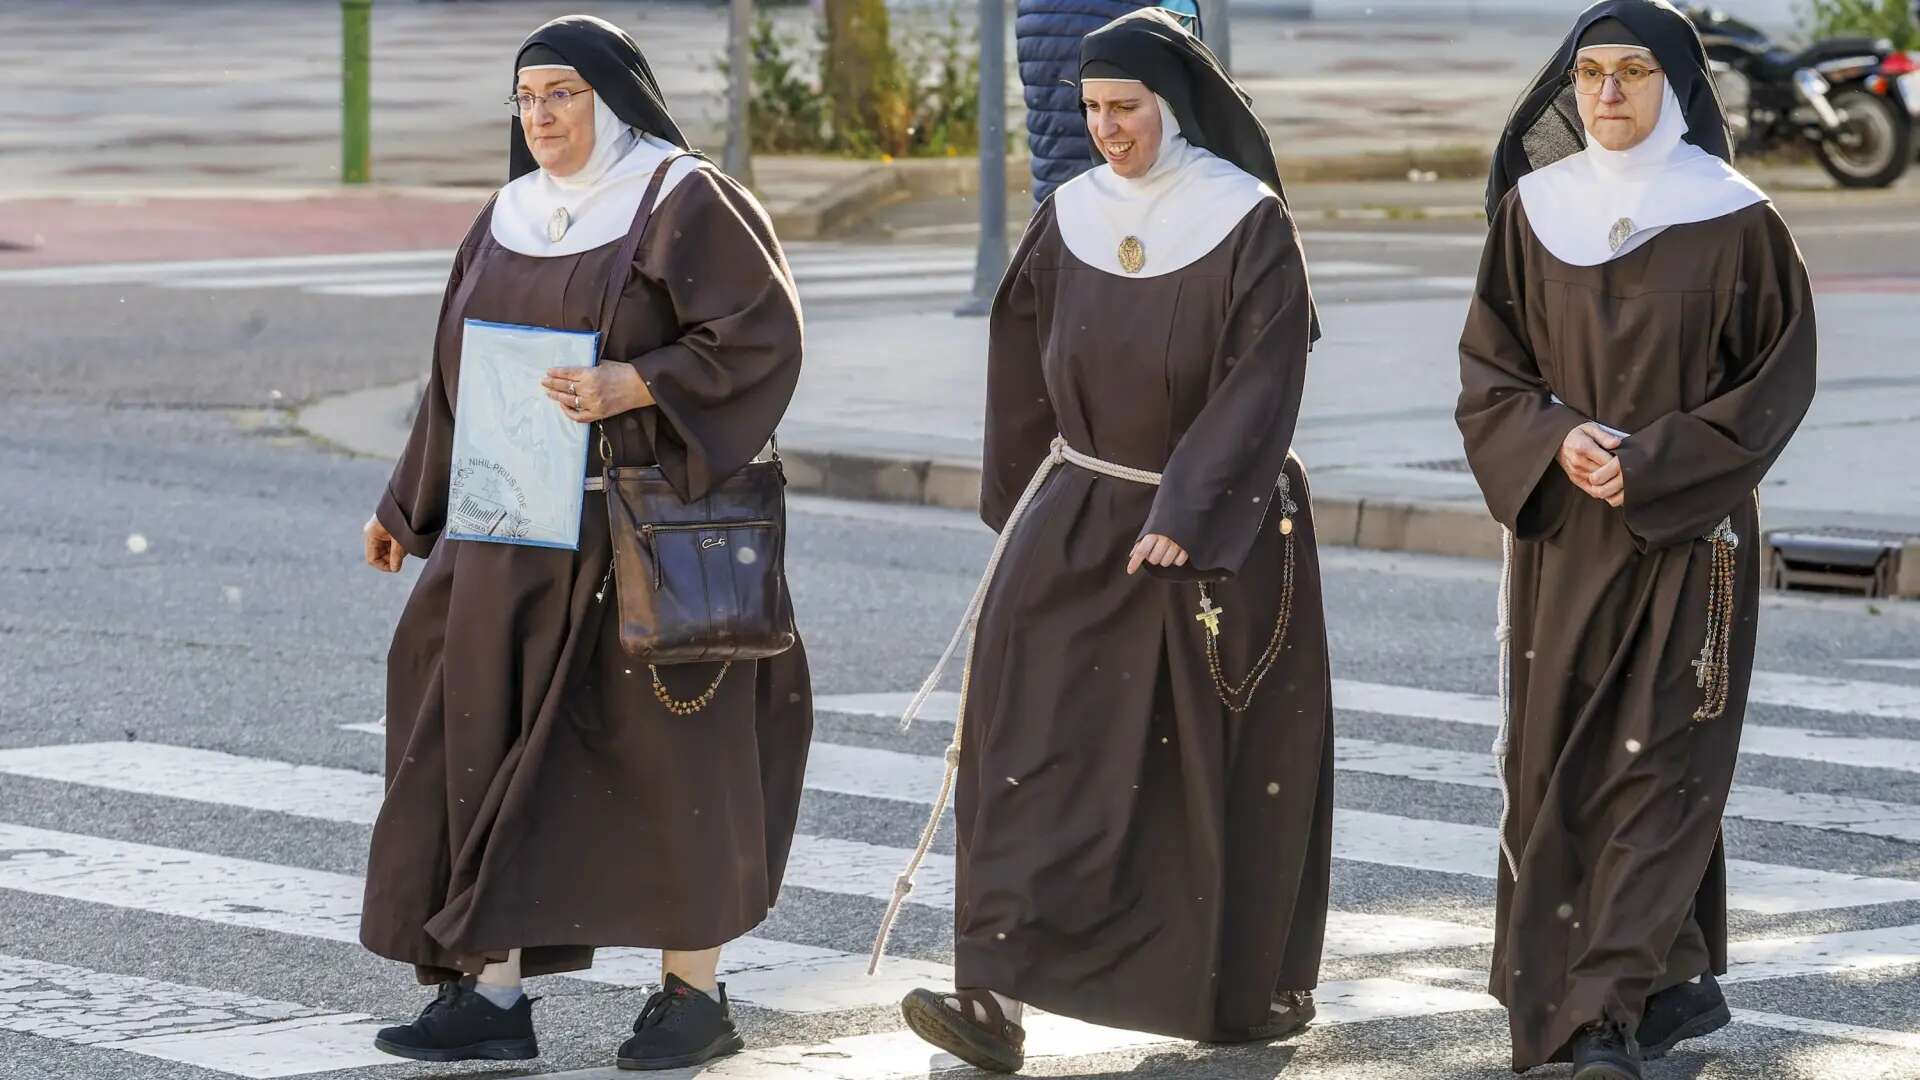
(1210, 615)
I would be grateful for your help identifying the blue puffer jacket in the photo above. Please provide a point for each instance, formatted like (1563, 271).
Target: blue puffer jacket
(1048, 34)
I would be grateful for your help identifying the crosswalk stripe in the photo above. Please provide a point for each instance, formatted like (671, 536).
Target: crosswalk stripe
(1898, 665)
(1385, 839)
(423, 276)
(236, 892)
(858, 869)
(226, 891)
(423, 287)
(1480, 710)
(1889, 701)
(895, 1055)
(134, 273)
(1811, 810)
(1904, 1040)
(1450, 848)
(227, 1032)
(841, 867)
(1483, 710)
(823, 272)
(886, 288)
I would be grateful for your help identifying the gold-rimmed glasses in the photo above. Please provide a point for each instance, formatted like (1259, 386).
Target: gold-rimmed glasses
(1590, 78)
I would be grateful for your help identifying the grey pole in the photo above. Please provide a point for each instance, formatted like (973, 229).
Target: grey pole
(992, 259)
(737, 159)
(1216, 26)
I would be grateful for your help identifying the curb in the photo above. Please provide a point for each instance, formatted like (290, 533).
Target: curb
(1425, 528)
(884, 184)
(375, 423)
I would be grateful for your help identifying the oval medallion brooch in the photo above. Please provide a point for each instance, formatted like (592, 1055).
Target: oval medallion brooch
(1622, 231)
(1133, 255)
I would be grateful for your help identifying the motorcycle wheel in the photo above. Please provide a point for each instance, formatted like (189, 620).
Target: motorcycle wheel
(1873, 146)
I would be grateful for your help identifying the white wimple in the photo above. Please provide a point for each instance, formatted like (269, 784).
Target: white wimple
(1057, 454)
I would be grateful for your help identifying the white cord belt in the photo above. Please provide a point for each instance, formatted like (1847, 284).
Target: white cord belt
(1057, 454)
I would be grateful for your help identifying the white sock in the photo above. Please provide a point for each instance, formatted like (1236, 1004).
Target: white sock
(1009, 1008)
(500, 983)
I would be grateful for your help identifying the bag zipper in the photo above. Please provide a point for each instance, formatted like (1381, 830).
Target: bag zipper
(647, 531)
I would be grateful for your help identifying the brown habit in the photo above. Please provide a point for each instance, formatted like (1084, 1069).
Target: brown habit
(1700, 343)
(1130, 852)
(538, 795)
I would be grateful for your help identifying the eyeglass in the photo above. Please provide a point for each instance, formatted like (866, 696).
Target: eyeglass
(558, 101)
(1590, 79)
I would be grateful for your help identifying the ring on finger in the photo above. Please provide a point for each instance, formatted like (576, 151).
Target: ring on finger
(576, 403)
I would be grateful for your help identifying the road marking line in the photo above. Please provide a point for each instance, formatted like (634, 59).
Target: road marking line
(214, 1029)
(840, 867)
(432, 287)
(896, 1055)
(1905, 1040)
(885, 289)
(1808, 810)
(1384, 839)
(1902, 665)
(139, 272)
(437, 278)
(1480, 710)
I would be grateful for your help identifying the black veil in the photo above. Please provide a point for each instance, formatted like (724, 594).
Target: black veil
(1151, 46)
(609, 60)
(1545, 124)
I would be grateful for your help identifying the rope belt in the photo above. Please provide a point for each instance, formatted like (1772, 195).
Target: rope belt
(1060, 453)
(1714, 674)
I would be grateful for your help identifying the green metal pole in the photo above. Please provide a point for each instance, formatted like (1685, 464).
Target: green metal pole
(356, 100)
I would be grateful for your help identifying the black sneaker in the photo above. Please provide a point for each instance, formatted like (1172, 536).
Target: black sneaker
(680, 1026)
(461, 1025)
(1292, 1011)
(1687, 1011)
(1604, 1052)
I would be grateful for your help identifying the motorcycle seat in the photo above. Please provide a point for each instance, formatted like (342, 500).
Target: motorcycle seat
(1781, 64)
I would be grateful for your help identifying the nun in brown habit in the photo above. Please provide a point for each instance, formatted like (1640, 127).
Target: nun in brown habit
(1639, 351)
(1145, 753)
(542, 799)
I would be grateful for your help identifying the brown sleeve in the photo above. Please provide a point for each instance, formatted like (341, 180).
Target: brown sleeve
(722, 387)
(414, 508)
(1020, 422)
(1687, 470)
(1219, 482)
(1511, 426)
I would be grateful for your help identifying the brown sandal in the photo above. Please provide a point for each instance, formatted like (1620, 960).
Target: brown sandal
(998, 1045)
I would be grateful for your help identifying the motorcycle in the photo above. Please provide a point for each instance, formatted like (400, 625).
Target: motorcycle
(1856, 100)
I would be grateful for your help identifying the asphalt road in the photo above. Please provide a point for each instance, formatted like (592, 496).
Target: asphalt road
(179, 569)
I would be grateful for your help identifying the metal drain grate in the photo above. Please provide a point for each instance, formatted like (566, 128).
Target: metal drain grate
(1452, 465)
(1836, 559)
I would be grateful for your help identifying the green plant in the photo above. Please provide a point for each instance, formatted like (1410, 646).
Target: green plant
(944, 91)
(785, 114)
(930, 105)
(1891, 19)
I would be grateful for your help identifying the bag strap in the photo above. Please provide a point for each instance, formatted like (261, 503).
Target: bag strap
(623, 259)
(622, 270)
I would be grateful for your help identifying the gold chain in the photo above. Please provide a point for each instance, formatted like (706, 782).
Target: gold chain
(691, 705)
(1715, 674)
(1239, 697)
